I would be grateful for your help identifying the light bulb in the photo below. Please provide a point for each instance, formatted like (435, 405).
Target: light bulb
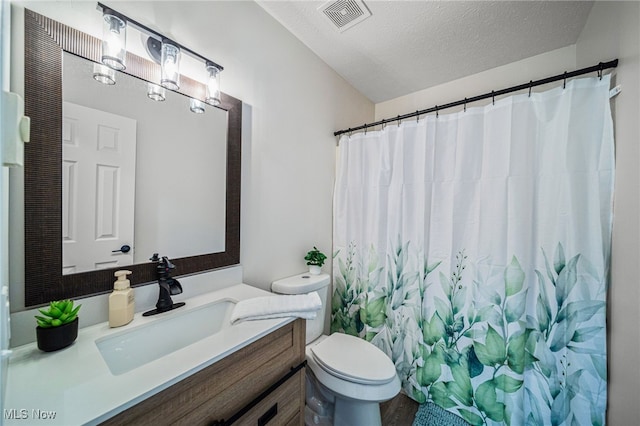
(155, 92)
(213, 85)
(196, 106)
(104, 74)
(170, 66)
(114, 41)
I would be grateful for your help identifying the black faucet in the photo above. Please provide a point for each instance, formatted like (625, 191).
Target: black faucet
(168, 286)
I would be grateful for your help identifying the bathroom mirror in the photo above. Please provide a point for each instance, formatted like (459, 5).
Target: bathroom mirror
(46, 42)
(137, 172)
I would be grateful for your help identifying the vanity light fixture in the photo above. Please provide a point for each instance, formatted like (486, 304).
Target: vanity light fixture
(155, 92)
(104, 74)
(114, 39)
(196, 106)
(170, 65)
(213, 84)
(164, 51)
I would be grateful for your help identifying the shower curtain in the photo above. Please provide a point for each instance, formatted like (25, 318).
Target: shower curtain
(473, 248)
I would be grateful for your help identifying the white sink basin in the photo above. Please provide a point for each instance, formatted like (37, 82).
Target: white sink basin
(138, 346)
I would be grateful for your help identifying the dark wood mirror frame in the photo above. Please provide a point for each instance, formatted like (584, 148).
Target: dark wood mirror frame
(45, 42)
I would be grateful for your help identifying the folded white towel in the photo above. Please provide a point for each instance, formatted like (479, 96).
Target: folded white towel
(277, 306)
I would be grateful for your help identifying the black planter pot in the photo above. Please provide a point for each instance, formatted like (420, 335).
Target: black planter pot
(54, 338)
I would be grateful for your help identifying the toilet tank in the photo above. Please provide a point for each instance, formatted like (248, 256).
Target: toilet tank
(307, 283)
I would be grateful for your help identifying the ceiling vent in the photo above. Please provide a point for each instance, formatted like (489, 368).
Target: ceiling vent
(344, 14)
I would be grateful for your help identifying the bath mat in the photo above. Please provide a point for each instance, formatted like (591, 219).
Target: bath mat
(432, 415)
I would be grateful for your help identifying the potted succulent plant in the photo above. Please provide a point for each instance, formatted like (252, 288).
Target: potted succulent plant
(58, 326)
(315, 259)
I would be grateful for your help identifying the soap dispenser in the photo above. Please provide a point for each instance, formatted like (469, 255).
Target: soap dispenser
(121, 301)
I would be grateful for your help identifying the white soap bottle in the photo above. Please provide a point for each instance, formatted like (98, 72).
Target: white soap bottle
(121, 301)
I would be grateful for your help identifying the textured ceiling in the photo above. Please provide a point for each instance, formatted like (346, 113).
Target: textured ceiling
(406, 46)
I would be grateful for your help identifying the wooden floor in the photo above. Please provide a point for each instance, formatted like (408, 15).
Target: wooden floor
(400, 411)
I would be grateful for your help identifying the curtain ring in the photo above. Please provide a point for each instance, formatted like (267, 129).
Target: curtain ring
(600, 70)
(436, 111)
(564, 82)
(493, 97)
(465, 104)
(530, 85)
(398, 119)
(417, 116)
(349, 132)
(383, 124)
(365, 129)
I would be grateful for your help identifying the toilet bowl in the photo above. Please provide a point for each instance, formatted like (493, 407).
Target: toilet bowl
(358, 374)
(353, 374)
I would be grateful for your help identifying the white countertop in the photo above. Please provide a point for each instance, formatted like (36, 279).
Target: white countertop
(74, 386)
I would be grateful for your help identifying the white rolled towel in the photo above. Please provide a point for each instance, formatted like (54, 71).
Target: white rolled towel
(277, 306)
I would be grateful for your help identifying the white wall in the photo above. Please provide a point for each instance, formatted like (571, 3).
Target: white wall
(294, 102)
(534, 68)
(612, 31)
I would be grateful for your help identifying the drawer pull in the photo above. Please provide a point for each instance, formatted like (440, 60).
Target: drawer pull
(270, 414)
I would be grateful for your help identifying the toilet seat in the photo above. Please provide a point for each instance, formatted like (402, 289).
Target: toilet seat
(353, 359)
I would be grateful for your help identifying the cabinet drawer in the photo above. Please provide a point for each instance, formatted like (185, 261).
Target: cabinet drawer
(224, 388)
(283, 406)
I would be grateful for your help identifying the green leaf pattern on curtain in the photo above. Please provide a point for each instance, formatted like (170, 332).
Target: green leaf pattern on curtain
(514, 347)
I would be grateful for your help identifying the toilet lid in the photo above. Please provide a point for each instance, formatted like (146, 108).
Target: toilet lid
(353, 359)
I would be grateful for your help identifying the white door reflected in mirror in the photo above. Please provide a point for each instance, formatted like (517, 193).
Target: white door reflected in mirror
(98, 188)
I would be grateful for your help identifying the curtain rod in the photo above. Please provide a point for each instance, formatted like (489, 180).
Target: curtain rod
(595, 68)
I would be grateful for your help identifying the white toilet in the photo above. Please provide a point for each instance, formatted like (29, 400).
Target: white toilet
(350, 372)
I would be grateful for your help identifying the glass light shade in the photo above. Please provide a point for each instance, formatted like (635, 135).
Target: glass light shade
(114, 42)
(104, 74)
(213, 85)
(155, 92)
(196, 106)
(170, 66)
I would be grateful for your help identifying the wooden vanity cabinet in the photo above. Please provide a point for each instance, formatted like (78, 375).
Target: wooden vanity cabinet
(260, 384)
